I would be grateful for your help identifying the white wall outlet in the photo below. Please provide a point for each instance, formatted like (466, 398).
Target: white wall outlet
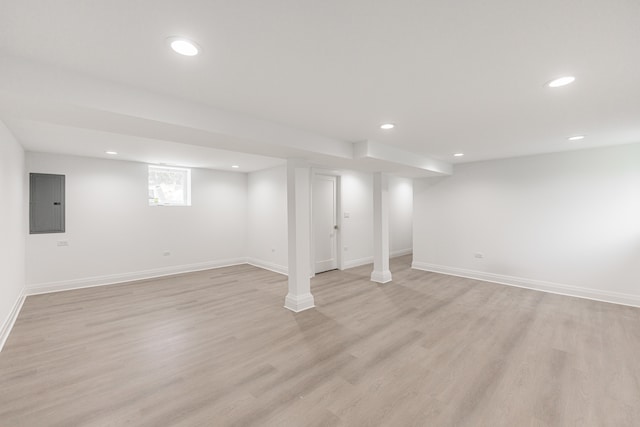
(63, 243)
(478, 255)
(166, 253)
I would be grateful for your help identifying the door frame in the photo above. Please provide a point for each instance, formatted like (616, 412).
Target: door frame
(339, 258)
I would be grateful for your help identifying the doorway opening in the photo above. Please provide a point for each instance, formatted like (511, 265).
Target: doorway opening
(325, 226)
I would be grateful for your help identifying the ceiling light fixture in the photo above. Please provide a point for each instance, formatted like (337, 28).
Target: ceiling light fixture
(235, 166)
(561, 81)
(183, 46)
(458, 155)
(387, 126)
(112, 153)
(576, 138)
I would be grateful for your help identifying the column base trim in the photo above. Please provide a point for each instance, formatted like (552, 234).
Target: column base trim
(298, 303)
(381, 276)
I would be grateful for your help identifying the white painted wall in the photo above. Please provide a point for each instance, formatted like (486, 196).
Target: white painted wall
(566, 222)
(357, 230)
(14, 222)
(267, 218)
(400, 215)
(114, 235)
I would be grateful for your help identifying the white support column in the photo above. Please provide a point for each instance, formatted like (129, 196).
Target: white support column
(381, 273)
(299, 297)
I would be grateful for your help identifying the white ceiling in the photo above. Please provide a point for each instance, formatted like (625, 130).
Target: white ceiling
(454, 76)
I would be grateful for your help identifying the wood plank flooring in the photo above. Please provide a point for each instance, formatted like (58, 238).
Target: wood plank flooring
(216, 348)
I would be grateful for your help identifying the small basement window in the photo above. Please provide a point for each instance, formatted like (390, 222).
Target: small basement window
(169, 186)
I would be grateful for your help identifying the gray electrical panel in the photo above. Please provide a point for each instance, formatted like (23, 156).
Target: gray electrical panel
(46, 203)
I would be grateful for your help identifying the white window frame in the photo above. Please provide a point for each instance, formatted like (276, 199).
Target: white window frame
(186, 201)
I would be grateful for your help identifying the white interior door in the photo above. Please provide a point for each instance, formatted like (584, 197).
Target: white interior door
(325, 226)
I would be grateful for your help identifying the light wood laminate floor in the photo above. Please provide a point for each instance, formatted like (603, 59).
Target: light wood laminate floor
(216, 348)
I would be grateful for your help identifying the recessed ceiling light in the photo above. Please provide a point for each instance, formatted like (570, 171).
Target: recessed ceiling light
(235, 166)
(113, 153)
(561, 81)
(576, 138)
(184, 46)
(387, 126)
(459, 154)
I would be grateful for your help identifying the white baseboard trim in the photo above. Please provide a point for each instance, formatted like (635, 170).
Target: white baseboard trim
(369, 260)
(381, 276)
(298, 303)
(537, 285)
(7, 325)
(276, 268)
(401, 252)
(357, 262)
(113, 279)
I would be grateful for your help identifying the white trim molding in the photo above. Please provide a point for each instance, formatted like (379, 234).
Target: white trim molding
(400, 252)
(369, 260)
(11, 319)
(276, 268)
(537, 285)
(381, 276)
(298, 303)
(358, 262)
(112, 279)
